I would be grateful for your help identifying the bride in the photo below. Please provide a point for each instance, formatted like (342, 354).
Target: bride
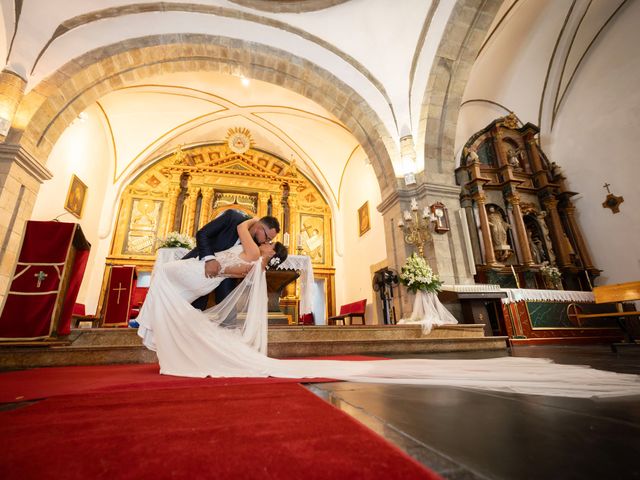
(230, 339)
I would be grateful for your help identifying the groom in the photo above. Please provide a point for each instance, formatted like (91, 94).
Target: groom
(221, 234)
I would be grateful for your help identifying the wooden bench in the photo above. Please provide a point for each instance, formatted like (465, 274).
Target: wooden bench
(617, 293)
(350, 310)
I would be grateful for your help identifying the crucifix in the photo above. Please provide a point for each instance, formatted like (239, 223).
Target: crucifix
(119, 289)
(40, 276)
(607, 185)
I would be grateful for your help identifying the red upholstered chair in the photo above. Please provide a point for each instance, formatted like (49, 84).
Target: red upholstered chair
(350, 311)
(137, 299)
(306, 319)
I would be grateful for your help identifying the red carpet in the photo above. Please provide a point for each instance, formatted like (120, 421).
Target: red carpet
(267, 431)
(40, 383)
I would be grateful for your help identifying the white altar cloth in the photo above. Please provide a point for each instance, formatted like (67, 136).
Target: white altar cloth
(534, 295)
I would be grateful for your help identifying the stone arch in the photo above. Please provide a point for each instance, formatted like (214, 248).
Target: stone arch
(466, 30)
(48, 109)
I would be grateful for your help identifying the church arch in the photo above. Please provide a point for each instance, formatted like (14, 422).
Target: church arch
(48, 109)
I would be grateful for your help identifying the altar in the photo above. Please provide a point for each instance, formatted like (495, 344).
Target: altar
(550, 316)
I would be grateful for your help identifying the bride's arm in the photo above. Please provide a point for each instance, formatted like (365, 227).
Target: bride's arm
(249, 246)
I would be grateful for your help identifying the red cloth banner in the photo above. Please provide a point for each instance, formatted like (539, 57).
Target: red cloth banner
(118, 296)
(45, 282)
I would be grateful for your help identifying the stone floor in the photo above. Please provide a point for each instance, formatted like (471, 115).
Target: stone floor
(465, 434)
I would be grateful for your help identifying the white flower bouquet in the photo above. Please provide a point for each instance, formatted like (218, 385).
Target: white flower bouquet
(177, 239)
(417, 275)
(551, 272)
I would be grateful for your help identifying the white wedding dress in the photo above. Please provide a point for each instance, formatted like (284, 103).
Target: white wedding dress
(230, 340)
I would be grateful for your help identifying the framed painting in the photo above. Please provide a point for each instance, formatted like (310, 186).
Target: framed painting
(311, 237)
(364, 222)
(76, 196)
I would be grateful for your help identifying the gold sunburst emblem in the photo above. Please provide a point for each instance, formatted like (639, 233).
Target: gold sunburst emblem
(239, 140)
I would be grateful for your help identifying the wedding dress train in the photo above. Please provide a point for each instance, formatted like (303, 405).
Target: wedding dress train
(230, 340)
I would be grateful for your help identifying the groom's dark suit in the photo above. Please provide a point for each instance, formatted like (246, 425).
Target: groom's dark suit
(218, 235)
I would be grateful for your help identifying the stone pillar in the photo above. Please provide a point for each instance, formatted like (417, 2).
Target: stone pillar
(20, 179)
(577, 234)
(174, 191)
(557, 232)
(521, 230)
(11, 92)
(489, 254)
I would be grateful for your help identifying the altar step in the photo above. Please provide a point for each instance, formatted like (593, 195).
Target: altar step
(101, 346)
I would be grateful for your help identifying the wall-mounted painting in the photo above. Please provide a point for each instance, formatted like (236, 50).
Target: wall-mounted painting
(76, 197)
(364, 223)
(311, 237)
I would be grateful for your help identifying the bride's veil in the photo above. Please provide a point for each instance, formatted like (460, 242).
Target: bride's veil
(247, 301)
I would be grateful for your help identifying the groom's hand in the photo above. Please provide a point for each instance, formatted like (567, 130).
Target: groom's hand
(211, 268)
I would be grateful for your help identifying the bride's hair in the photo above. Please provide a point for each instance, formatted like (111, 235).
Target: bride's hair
(279, 257)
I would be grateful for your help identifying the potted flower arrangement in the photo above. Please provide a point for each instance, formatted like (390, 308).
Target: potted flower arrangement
(552, 276)
(419, 278)
(417, 275)
(177, 240)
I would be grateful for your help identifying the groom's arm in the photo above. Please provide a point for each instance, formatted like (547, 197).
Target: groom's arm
(210, 231)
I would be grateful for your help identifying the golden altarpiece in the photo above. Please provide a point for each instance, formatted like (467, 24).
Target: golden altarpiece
(188, 188)
(521, 208)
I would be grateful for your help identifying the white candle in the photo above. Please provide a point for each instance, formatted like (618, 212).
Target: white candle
(299, 240)
(285, 239)
(407, 215)
(400, 223)
(414, 205)
(425, 212)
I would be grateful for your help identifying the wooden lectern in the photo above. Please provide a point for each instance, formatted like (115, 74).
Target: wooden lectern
(276, 281)
(45, 282)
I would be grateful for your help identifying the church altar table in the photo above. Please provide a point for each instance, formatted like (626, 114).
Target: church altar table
(533, 295)
(45, 281)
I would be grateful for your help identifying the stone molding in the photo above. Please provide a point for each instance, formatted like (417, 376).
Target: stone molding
(16, 154)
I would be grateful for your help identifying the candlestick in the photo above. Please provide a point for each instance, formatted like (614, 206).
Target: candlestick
(407, 215)
(285, 239)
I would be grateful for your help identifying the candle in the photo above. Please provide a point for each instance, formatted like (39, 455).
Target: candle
(285, 239)
(586, 274)
(513, 270)
(299, 240)
(400, 223)
(407, 215)
(425, 213)
(414, 205)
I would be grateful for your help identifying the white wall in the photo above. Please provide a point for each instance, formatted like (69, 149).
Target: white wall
(84, 149)
(359, 185)
(595, 139)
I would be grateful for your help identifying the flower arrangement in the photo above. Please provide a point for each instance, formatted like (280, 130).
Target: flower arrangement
(417, 275)
(551, 273)
(177, 239)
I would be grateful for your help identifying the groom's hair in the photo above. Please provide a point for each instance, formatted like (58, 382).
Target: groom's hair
(271, 222)
(280, 256)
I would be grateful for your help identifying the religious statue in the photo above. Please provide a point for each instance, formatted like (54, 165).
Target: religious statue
(472, 156)
(535, 244)
(499, 228)
(514, 161)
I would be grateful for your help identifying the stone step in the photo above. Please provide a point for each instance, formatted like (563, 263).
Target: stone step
(103, 346)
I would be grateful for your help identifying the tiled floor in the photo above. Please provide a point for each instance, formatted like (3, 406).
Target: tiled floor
(466, 434)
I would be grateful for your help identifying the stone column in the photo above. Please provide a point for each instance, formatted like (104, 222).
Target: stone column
(174, 191)
(577, 234)
(20, 179)
(557, 232)
(11, 92)
(521, 230)
(489, 254)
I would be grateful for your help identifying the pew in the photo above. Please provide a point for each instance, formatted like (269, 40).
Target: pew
(617, 293)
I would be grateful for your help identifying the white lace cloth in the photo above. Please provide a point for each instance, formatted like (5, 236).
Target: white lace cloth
(192, 343)
(532, 295)
(303, 264)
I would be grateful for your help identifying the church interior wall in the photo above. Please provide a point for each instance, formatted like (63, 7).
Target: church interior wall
(83, 150)
(592, 137)
(595, 141)
(360, 185)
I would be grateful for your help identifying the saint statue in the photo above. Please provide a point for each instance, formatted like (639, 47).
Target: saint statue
(499, 228)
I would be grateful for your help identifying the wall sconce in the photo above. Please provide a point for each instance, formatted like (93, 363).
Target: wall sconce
(416, 227)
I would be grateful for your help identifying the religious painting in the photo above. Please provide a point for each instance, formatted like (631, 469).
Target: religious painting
(364, 223)
(311, 237)
(76, 196)
(143, 226)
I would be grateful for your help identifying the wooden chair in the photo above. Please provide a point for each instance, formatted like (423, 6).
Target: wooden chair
(617, 293)
(350, 310)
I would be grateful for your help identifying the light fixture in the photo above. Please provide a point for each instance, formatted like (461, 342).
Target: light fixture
(417, 227)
